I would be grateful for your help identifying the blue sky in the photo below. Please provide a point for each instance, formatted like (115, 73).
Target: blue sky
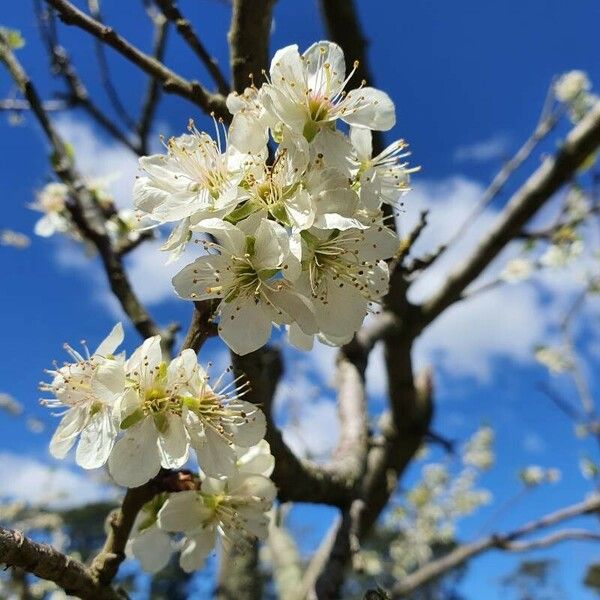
(468, 79)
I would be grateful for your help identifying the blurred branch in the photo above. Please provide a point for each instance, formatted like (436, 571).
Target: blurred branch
(18, 105)
(78, 94)
(152, 96)
(171, 81)
(84, 210)
(249, 40)
(239, 577)
(506, 541)
(184, 27)
(104, 71)
(554, 172)
(42, 560)
(106, 563)
(285, 560)
(546, 123)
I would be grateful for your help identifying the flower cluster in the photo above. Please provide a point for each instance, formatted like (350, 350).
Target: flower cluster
(233, 509)
(428, 512)
(573, 89)
(141, 413)
(294, 237)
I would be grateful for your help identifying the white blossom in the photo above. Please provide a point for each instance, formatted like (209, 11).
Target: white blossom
(51, 201)
(517, 269)
(307, 92)
(169, 407)
(87, 389)
(556, 359)
(252, 277)
(234, 509)
(382, 178)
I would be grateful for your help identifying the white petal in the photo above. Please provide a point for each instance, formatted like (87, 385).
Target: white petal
(112, 341)
(335, 148)
(257, 460)
(215, 456)
(173, 443)
(244, 326)
(254, 429)
(228, 235)
(258, 486)
(247, 133)
(109, 381)
(343, 313)
(45, 226)
(96, 441)
(362, 141)
(201, 279)
(183, 511)
(196, 549)
(372, 108)
(134, 459)
(299, 339)
(268, 251)
(67, 431)
(152, 547)
(142, 362)
(315, 57)
(301, 210)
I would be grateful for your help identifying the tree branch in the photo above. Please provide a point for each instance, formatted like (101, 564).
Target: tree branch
(84, 210)
(184, 27)
(172, 82)
(546, 123)
(152, 96)
(505, 541)
(120, 522)
(297, 480)
(249, 40)
(104, 71)
(44, 561)
(582, 141)
(78, 94)
(201, 327)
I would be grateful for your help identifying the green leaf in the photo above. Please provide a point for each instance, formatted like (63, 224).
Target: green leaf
(132, 419)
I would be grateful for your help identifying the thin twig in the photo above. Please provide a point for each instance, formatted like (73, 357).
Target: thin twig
(171, 11)
(153, 90)
(171, 81)
(84, 209)
(104, 71)
(78, 94)
(546, 123)
(554, 172)
(505, 541)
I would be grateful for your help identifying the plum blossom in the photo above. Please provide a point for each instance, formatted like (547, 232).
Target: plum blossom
(51, 201)
(197, 179)
(88, 388)
(168, 408)
(233, 509)
(252, 277)
(382, 178)
(307, 92)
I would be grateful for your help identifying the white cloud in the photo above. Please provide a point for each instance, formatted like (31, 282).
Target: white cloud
(495, 147)
(97, 157)
(30, 480)
(504, 322)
